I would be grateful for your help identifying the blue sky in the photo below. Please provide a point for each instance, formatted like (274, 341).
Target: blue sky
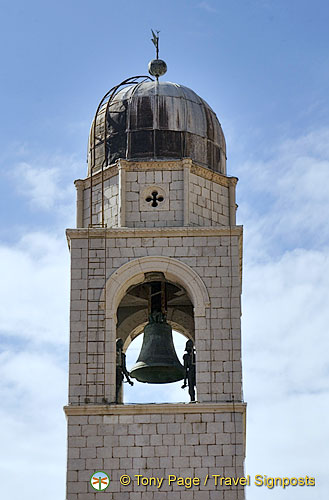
(263, 66)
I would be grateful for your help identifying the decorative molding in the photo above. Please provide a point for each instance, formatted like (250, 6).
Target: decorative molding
(153, 232)
(158, 408)
(97, 178)
(211, 175)
(142, 165)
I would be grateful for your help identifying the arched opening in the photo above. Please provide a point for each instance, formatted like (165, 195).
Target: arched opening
(190, 319)
(133, 314)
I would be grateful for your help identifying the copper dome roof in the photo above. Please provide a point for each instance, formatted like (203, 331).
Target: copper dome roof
(156, 121)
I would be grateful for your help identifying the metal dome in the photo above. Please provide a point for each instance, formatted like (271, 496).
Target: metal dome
(156, 121)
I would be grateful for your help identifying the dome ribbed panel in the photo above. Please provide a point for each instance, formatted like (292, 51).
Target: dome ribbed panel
(159, 120)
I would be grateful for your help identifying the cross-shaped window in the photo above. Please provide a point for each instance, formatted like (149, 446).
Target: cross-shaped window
(154, 199)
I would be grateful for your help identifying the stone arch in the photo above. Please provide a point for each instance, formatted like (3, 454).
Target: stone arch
(174, 270)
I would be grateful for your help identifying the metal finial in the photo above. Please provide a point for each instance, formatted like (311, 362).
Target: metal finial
(157, 67)
(155, 41)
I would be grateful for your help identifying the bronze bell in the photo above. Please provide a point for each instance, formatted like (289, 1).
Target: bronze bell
(157, 362)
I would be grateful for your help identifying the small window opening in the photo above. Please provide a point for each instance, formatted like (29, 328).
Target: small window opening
(155, 199)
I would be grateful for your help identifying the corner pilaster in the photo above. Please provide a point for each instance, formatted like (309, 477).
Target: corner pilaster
(187, 207)
(79, 184)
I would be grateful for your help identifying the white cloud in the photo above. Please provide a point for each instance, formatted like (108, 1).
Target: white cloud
(34, 326)
(39, 185)
(34, 298)
(33, 435)
(288, 438)
(47, 184)
(285, 209)
(284, 202)
(285, 323)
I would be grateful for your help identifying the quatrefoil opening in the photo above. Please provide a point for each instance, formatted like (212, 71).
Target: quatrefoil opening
(154, 199)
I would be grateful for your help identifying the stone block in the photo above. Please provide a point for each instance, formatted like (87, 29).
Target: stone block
(135, 452)
(76, 487)
(180, 461)
(148, 451)
(179, 439)
(139, 463)
(127, 440)
(174, 428)
(111, 441)
(207, 439)
(156, 440)
(88, 453)
(76, 464)
(142, 440)
(120, 452)
(223, 438)
(73, 453)
(168, 439)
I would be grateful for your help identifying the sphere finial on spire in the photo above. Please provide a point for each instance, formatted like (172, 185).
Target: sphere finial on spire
(157, 67)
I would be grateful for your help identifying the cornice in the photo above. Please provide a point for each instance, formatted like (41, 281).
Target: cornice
(146, 409)
(211, 175)
(97, 178)
(152, 232)
(146, 165)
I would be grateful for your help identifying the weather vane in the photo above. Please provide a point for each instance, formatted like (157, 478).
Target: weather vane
(155, 41)
(157, 67)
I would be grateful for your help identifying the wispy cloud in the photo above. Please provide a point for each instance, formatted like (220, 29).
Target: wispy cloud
(33, 390)
(207, 7)
(46, 182)
(283, 201)
(35, 292)
(285, 208)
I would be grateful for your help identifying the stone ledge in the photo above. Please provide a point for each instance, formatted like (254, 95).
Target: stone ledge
(146, 409)
(146, 165)
(152, 232)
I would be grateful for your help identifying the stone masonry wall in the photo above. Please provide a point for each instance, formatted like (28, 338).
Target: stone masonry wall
(169, 212)
(111, 205)
(177, 442)
(209, 202)
(186, 195)
(215, 258)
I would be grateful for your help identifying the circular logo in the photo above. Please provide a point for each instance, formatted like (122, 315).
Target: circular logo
(99, 480)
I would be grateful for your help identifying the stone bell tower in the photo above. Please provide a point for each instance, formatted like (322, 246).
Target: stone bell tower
(157, 206)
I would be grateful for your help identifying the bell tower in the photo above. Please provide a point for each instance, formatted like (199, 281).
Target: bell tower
(156, 248)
